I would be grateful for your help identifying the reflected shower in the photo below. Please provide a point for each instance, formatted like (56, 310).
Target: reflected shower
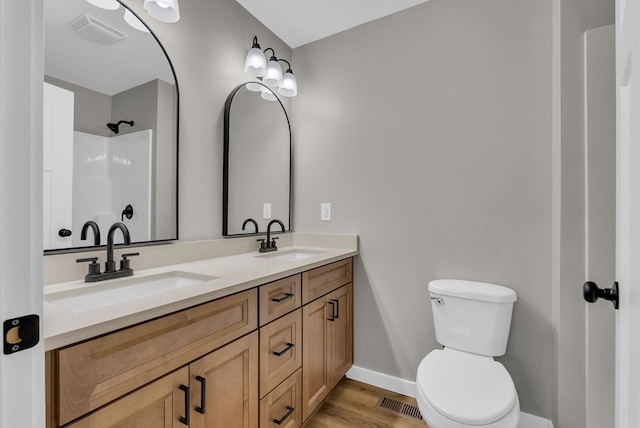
(115, 127)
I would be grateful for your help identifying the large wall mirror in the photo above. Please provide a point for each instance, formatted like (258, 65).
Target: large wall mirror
(257, 161)
(110, 127)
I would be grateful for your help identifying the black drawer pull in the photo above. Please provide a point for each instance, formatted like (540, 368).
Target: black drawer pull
(279, 354)
(333, 311)
(283, 298)
(337, 308)
(185, 419)
(286, 415)
(203, 391)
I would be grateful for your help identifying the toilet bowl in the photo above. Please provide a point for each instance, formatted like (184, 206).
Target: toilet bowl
(461, 390)
(462, 386)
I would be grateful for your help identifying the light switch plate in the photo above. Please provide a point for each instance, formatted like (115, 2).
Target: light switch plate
(266, 211)
(325, 212)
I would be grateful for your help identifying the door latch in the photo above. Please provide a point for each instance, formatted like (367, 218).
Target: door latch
(21, 333)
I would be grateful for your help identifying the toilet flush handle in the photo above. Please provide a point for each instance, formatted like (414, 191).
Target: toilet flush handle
(438, 300)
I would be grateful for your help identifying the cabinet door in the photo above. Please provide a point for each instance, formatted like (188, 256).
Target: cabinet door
(341, 333)
(224, 386)
(316, 377)
(160, 404)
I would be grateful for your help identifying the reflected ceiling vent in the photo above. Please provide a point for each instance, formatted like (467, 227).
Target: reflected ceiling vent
(93, 29)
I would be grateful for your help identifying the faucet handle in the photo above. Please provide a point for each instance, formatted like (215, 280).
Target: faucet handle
(94, 267)
(262, 243)
(125, 263)
(273, 242)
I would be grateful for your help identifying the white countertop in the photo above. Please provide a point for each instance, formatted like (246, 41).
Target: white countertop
(233, 274)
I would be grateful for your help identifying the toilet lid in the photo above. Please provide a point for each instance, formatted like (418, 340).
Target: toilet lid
(467, 388)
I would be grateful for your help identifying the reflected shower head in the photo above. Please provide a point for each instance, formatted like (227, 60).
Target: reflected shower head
(115, 127)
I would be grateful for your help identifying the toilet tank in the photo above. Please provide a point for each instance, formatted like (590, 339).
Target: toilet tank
(472, 316)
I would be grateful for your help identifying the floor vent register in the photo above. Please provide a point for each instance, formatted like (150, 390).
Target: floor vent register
(400, 408)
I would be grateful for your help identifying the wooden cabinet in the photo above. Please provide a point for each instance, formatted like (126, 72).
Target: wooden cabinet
(264, 357)
(217, 390)
(327, 345)
(160, 404)
(96, 372)
(224, 386)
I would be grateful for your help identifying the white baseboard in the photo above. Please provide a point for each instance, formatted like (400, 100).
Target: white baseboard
(408, 388)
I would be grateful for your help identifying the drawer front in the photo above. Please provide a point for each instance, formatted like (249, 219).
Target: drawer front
(320, 281)
(159, 404)
(98, 371)
(279, 298)
(282, 408)
(280, 350)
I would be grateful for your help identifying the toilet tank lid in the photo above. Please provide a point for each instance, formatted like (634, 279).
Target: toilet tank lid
(473, 290)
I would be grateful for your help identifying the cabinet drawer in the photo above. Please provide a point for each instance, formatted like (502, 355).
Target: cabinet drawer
(98, 371)
(283, 404)
(159, 404)
(320, 281)
(279, 298)
(280, 350)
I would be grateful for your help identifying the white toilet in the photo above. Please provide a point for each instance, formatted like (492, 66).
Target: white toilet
(461, 386)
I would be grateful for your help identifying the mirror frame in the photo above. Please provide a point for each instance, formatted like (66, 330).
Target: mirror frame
(177, 136)
(225, 168)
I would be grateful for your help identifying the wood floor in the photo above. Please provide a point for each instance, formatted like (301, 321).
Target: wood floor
(353, 404)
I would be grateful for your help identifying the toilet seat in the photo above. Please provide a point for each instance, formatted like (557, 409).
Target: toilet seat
(466, 388)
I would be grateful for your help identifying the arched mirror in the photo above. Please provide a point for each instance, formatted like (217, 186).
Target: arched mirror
(257, 161)
(110, 127)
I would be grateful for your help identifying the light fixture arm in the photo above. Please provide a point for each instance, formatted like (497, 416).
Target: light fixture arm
(255, 42)
(273, 56)
(288, 65)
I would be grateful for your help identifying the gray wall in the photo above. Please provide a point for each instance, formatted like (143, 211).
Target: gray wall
(207, 47)
(430, 133)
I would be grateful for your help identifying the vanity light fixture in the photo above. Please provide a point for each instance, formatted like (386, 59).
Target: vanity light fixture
(270, 73)
(163, 10)
(105, 4)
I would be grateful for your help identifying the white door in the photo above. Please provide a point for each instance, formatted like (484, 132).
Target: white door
(57, 166)
(628, 213)
(21, 70)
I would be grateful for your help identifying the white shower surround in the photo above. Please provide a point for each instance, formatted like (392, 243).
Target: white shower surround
(110, 173)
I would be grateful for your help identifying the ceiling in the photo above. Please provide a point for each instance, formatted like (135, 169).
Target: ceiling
(298, 22)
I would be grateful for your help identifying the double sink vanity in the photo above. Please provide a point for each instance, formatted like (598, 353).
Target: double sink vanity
(249, 339)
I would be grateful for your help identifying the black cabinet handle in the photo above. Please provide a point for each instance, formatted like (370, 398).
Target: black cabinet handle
(185, 419)
(337, 308)
(286, 415)
(203, 391)
(283, 298)
(333, 313)
(279, 354)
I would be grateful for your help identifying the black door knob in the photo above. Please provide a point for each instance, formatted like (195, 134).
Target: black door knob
(63, 233)
(591, 293)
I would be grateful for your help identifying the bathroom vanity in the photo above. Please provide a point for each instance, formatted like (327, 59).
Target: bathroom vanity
(261, 343)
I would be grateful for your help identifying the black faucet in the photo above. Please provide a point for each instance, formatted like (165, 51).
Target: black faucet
(110, 271)
(270, 245)
(250, 220)
(110, 265)
(96, 232)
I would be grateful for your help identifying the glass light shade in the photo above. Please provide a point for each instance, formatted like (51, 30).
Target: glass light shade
(268, 95)
(133, 20)
(163, 10)
(289, 87)
(254, 87)
(255, 64)
(273, 77)
(105, 4)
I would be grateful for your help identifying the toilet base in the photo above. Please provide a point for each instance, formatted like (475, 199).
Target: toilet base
(436, 420)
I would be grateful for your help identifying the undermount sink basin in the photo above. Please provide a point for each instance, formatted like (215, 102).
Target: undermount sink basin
(290, 255)
(116, 291)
